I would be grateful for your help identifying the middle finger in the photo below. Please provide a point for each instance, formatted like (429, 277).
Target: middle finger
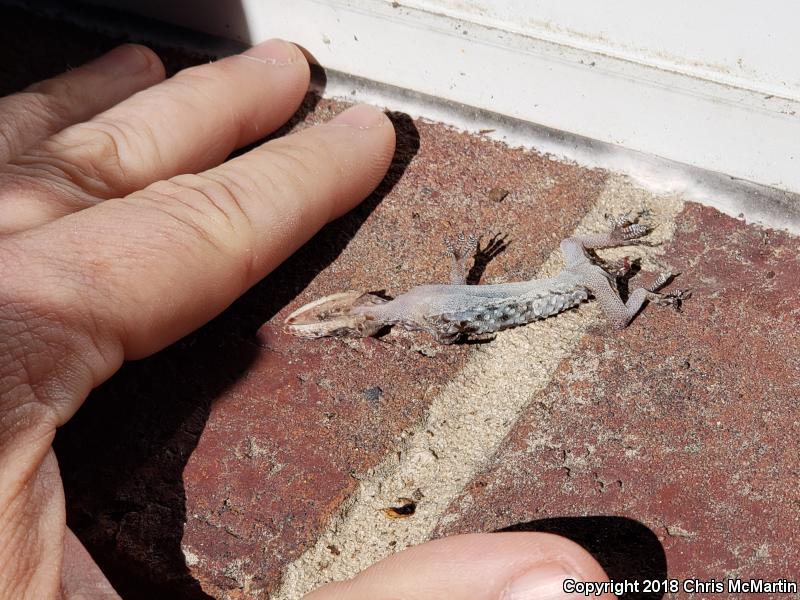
(186, 124)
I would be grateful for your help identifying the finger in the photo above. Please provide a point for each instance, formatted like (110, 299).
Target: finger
(491, 566)
(49, 106)
(144, 270)
(186, 124)
(80, 575)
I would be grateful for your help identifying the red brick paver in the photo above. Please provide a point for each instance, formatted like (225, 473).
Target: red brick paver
(685, 423)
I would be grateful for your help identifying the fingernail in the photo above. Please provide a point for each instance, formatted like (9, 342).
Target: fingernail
(127, 59)
(361, 116)
(274, 52)
(544, 582)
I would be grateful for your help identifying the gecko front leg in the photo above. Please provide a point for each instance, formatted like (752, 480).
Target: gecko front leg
(460, 250)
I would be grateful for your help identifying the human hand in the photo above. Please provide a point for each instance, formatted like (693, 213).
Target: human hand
(121, 230)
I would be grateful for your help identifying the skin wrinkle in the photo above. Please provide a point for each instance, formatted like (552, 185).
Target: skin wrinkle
(27, 107)
(78, 357)
(16, 106)
(37, 354)
(52, 185)
(220, 193)
(7, 143)
(99, 166)
(36, 429)
(223, 237)
(46, 175)
(292, 160)
(278, 216)
(178, 210)
(239, 183)
(22, 571)
(55, 319)
(225, 192)
(51, 104)
(35, 504)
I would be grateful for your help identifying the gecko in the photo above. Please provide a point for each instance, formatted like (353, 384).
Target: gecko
(449, 312)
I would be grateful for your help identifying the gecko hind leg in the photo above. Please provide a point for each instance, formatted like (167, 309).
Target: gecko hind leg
(461, 250)
(621, 313)
(626, 230)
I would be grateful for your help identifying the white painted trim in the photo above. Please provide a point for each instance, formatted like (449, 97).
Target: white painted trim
(755, 203)
(723, 123)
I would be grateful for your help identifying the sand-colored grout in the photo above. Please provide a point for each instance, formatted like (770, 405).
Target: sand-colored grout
(468, 421)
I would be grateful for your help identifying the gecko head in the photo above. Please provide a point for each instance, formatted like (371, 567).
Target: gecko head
(335, 315)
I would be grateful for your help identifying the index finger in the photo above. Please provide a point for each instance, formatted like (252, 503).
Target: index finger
(134, 274)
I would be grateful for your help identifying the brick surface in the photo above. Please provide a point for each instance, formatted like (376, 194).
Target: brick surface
(676, 437)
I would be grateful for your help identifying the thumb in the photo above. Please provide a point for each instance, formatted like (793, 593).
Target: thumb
(491, 566)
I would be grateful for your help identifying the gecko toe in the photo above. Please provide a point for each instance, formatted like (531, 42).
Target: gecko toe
(674, 299)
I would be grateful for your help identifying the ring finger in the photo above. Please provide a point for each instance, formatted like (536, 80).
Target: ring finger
(186, 124)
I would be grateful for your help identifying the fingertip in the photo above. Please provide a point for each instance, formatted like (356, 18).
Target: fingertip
(153, 62)
(493, 566)
(374, 135)
(277, 52)
(129, 60)
(561, 560)
(280, 53)
(361, 116)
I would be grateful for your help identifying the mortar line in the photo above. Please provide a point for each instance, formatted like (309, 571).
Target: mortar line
(466, 423)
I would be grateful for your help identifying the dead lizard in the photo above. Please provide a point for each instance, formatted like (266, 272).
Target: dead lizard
(448, 312)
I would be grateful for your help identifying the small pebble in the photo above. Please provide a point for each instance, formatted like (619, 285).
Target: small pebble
(497, 194)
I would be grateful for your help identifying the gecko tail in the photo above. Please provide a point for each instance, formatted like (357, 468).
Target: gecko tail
(340, 315)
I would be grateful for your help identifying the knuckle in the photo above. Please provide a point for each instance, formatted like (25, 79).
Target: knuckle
(208, 209)
(221, 197)
(55, 98)
(96, 156)
(213, 201)
(104, 142)
(175, 219)
(197, 214)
